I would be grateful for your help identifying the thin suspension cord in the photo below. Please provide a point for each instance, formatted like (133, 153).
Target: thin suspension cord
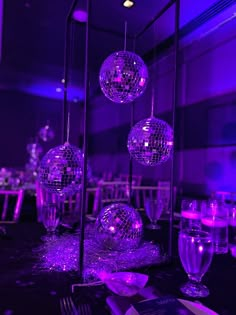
(125, 39)
(68, 126)
(152, 102)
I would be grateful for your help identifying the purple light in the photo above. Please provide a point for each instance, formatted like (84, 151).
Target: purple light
(58, 90)
(80, 15)
(200, 248)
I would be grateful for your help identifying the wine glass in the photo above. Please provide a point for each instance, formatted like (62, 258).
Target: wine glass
(153, 207)
(191, 214)
(196, 252)
(51, 215)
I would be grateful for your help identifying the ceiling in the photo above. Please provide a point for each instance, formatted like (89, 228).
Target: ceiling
(33, 37)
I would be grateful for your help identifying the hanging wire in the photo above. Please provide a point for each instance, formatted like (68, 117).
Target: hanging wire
(152, 102)
(125, 39)
(153, 74)
(130, 157)
(68, 126)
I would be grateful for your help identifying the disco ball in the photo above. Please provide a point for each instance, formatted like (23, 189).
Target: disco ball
(150, 141)
(60, 170)
(34, 149)
(123, 77)
(119, 227)
(46, 133)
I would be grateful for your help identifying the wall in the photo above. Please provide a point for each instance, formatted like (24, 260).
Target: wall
(21, 117)
(205, 118)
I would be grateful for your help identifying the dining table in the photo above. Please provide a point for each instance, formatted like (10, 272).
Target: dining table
(27, 290)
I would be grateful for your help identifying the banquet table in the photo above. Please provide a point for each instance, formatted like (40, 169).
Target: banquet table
(24, 290)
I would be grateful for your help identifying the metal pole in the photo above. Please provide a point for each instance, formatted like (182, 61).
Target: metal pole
(67, 51)
(84, 178)
(131, 160)
(174, 105)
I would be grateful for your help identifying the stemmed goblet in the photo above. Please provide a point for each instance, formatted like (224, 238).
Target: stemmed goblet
(153, 208)
(51, 215)
(196, 252)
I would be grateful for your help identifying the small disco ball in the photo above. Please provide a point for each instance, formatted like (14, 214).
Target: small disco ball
(150, 141)
(34, 149)
(60, 170)
(46, 133)
(119, 227)
(123, 77)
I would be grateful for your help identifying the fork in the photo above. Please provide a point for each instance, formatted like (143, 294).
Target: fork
(84, 309)
(68, 307)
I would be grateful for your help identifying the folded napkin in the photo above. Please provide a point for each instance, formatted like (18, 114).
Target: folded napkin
(119, 305)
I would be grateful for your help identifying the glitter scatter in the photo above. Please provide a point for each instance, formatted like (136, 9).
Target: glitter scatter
(62, 255)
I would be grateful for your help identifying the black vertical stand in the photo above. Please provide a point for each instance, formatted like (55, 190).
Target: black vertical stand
(85, 149)
(67, 51)
(174, 105)
(175, 100)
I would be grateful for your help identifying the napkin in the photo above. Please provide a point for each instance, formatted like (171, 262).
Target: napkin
(119, 305)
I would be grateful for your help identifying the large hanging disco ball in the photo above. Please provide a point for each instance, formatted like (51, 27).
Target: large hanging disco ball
(123, 77)
(119, 227)
(150, 141)
(60, 170)
(46, 133)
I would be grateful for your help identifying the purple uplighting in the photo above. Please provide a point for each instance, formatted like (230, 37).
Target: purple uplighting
(118, 156)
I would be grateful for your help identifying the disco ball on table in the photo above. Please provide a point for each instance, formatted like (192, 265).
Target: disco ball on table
(46, 133)
(123, 77)
(119, 227)
(150, 141)
(60, 170)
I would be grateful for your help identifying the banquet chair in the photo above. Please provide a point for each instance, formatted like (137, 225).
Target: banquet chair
(136, 181)
(70, 205)
(11, 204)
(109, 192)
(224, 196)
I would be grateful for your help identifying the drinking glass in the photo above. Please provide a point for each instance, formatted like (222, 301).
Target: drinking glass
(153, 207)
(215, 221)
(196, 252)
(232, 228)
(191, 214)
(51, 215)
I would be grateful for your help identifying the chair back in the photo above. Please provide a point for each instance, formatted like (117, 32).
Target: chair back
(115, 191)
(69, 205)
(12, 203)
(224, 196)
(136, 179)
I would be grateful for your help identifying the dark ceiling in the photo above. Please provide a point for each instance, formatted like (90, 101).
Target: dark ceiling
(33, 34)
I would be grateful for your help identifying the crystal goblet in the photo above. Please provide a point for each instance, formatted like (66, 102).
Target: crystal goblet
(153, 208)
(51, 215)
(196, 252)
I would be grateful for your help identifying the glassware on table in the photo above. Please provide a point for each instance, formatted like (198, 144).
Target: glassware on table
(196, 252)
(232, 228)
(153, 207)
(51, 215)
(215, 221)
(191, 214)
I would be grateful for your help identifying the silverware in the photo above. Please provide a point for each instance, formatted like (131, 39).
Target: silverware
(68, 307)
(84, 309)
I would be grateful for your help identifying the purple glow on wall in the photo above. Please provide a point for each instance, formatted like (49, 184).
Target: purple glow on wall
(50, 89)
(80, 15)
